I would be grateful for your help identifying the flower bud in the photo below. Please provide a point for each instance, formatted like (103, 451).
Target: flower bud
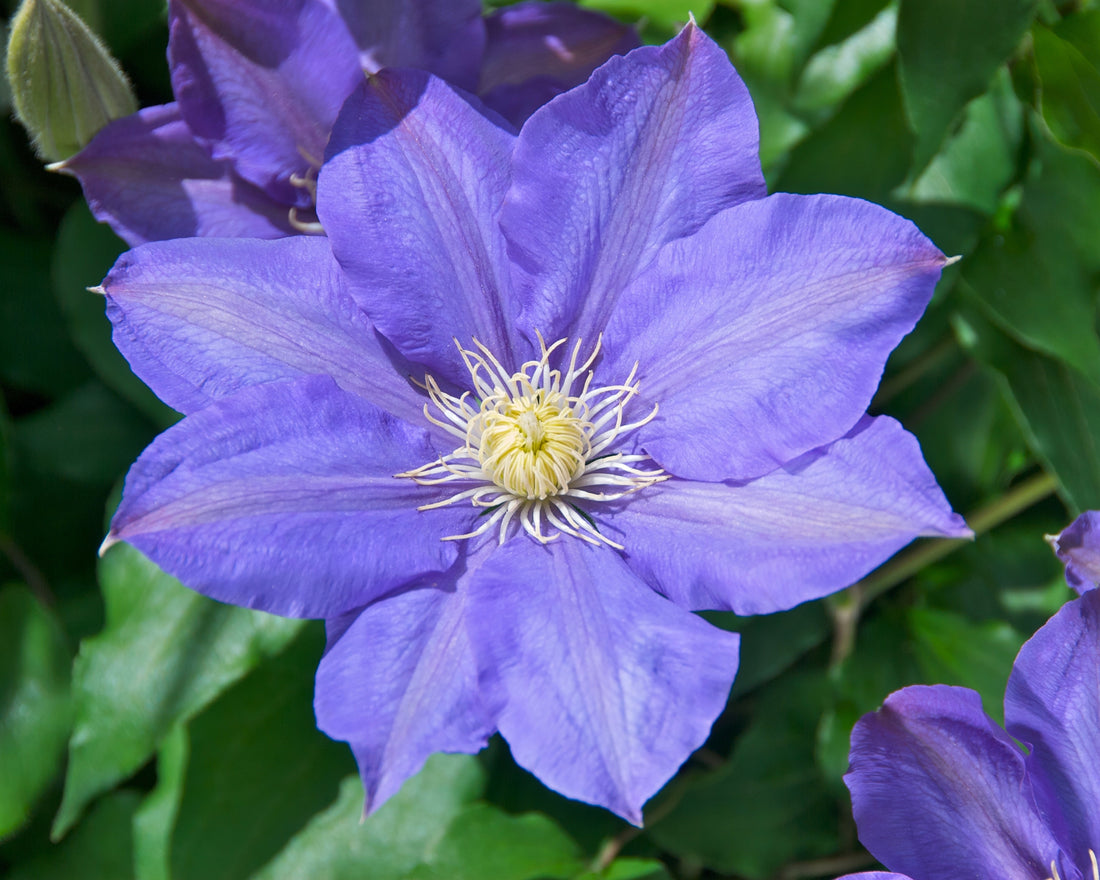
(64, 83)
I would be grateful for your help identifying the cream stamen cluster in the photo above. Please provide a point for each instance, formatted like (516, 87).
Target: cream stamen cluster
(535, 443)
(308, 182)
(1095, 869)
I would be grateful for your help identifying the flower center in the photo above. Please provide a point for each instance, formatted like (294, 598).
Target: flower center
(1054, 875)
(539, 444)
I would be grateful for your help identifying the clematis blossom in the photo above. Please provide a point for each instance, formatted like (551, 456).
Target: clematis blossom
(941, 791)
(1078, 546)
(533, 400)
(258, 85)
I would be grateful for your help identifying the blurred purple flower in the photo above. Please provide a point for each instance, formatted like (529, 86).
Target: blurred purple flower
(258, 84)
(1078, 546)
(940, 791)
(531, 401)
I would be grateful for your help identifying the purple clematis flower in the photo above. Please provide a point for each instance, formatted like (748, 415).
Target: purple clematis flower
(533, 400)
(258, 86)
(1078, 546)
(940, 791)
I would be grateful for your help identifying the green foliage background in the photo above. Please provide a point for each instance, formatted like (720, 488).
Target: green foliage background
(147, 732)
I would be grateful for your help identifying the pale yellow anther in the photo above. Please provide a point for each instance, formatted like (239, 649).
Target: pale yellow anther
(540, 441)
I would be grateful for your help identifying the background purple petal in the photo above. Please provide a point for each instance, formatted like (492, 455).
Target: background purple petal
(261, 81)
(652, 146)
(444, 37)
(1078, 546)
(409, 198)
(606, 687)
(399, 683)
(799, 533)
(1053, 704)
(200, 319)
(282, 498)
(147, 177)
(764, 335)
(535, 51)
(939, 790)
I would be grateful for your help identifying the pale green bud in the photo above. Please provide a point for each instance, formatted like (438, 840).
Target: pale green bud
(64, 83)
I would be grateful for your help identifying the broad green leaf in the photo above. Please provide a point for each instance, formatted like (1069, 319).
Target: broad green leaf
(630, 869)
(1037, 278)
(836, 71)
(258, 769)
(861, 151)
(35, 352)
(1068, 62)
(35, 707)
(976, 164)
(100, 848)
(483, 843)
(664, 12)
(339, 845)
(89, 436)
(156, 817)
(84, 252)
(848, 17)
(950, 50)
(164, 654)
(954, 650)
(1057, 408)
(768, 805)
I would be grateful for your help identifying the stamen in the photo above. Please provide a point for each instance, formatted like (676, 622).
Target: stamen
(533, 444)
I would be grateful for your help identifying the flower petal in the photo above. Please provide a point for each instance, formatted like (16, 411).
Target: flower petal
(409, 196)
(798, 533)
(939, 790)
(1078, 546)
(444, 37)
(282, 498)
(646, 151)
(1053, 704)
(147, 177)
(764, 335)
(536, 51)
(399, 683)
(606, 687)
(261, 81)
(200, 319)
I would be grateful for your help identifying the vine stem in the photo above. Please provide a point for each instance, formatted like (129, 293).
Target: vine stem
(849, 605)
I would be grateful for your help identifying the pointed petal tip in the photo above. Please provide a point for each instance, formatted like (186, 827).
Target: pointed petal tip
(99, 288)
(108, 543)
(60, 167)
(951, 261)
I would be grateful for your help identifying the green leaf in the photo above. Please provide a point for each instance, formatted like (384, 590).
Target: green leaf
(630, 869)
(663, 12)
(35, 706)
(164, 654)
(1068, 62)
(954, 650)
(84, 252)
(1036, 279)
(156, 817)
(258, 769)
(391, 843)
(100, 848)
(950, 50)
(848, 17)
(768, 804)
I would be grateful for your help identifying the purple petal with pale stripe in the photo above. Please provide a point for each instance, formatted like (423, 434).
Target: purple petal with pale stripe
(798, 533)
(282, 498)
(764, 335)
(398, 682)
(606, 688)
(409, 197)
(148, 178)
(444, 37)
(646, 151)
(261, 81)
(1053, 704)
(1078, 546)
(939, 790)
(536, 51)
(200, 319)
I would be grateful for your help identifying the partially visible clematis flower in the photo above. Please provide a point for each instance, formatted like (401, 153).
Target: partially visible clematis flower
(1078, 546)
(258, 84)
(940, 791)
(532, 401)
